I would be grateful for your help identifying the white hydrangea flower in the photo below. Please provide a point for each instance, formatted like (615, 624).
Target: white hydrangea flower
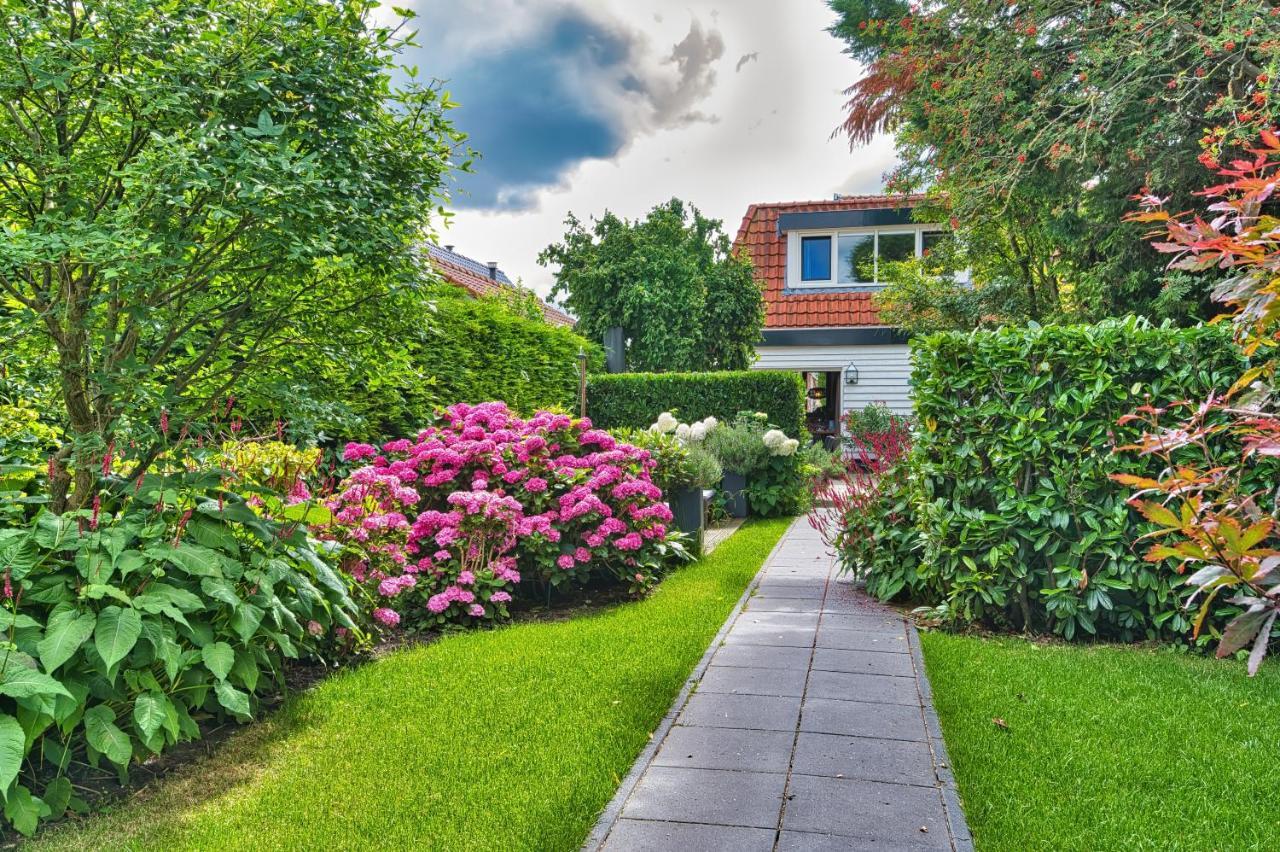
(682, 431)
(773, 439)
(710, 423)
(788, 447)
(697, 431)
(666, 422)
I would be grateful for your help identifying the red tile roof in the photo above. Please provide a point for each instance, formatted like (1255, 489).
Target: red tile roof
(474, 277)
(760, 239)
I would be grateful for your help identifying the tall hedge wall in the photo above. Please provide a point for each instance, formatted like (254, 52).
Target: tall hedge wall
(635, 399)
(483, 351)
(1018, 520)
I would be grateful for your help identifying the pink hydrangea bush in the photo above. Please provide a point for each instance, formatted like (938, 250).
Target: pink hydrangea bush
(441, 529)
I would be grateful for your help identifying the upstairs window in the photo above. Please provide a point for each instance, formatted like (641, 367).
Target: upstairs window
(853, 257)
(815, 258)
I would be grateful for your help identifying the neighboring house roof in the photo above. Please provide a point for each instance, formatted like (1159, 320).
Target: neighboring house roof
(482, 280)
(760, 238)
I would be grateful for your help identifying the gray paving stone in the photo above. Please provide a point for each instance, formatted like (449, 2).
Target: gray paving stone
(711, 796)
(726, 748)
(857, 640)
(773, 603)
(868, 622)
(890, 761)
(633, 835)
(864, 662)
(816, 575)
(760, 712)
(791, 588)
(762, 656)
(890, 813)
(750, 680)
(859, 719)
(768, 634)
(803, 841)
(882, 689)
(807, 620)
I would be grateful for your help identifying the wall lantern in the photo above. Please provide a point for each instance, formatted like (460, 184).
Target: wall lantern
(851, 374)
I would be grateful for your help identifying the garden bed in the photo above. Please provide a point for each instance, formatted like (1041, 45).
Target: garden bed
(479, 741)
(1061, 746)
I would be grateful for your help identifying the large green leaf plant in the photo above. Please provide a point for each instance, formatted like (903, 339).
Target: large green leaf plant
(169, 602)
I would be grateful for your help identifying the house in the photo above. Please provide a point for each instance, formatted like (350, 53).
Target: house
(485, 279)
(818, 263)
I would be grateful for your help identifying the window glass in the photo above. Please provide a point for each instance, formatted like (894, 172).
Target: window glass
(857, 258)
(932, 239)
(815, 258)
(897, 247)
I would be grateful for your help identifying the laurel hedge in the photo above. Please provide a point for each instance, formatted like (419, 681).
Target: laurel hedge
(1018, 524)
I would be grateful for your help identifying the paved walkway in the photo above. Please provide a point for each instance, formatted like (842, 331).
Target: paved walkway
(713, 537)
(808, 726)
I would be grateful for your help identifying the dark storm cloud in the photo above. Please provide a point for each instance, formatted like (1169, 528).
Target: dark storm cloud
(569, 87)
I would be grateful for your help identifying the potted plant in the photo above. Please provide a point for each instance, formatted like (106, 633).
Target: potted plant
(739, 448)
(688, 493)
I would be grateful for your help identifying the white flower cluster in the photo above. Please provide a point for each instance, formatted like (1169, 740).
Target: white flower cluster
(779, 444)
(695, 432)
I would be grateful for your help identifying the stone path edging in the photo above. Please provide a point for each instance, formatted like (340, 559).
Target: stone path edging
(817, 678)
(961, 838)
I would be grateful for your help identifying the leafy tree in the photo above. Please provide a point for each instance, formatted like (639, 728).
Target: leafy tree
(1034, 121)
(686, 302)
(181, 181)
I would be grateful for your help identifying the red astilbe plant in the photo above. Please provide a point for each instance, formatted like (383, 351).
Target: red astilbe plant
(1214, 505)
(865, 514)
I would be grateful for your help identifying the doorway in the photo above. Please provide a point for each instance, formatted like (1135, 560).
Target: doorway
(822, 406)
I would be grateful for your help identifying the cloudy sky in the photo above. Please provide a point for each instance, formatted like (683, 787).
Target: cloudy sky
(587, 105)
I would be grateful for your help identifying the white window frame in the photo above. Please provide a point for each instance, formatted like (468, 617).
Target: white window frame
(795, 260)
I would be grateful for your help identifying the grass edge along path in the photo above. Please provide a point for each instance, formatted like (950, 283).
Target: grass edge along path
(1107, 747)
(508, 739)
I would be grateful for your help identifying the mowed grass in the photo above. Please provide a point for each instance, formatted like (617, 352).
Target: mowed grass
(1108, 747)
(507, 739)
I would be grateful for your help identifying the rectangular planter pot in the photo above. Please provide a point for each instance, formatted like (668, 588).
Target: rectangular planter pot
(690, 515)
(734, 487)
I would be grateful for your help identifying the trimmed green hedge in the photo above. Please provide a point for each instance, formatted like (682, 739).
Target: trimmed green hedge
(634, 400)
(483, 351)
(1018, 522)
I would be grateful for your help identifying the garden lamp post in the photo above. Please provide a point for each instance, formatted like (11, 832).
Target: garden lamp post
(582, 382)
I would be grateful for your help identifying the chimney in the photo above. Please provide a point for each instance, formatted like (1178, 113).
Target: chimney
(493, 269)
(449, 249)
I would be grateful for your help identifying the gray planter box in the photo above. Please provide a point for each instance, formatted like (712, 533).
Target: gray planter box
(734, 487)
(690, 514)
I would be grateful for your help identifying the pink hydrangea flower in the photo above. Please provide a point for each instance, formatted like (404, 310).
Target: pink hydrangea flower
(355, 452)
(386, 616)
(476, 611)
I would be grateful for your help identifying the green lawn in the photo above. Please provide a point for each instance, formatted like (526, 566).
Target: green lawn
(509, 739)
(1108, 747)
